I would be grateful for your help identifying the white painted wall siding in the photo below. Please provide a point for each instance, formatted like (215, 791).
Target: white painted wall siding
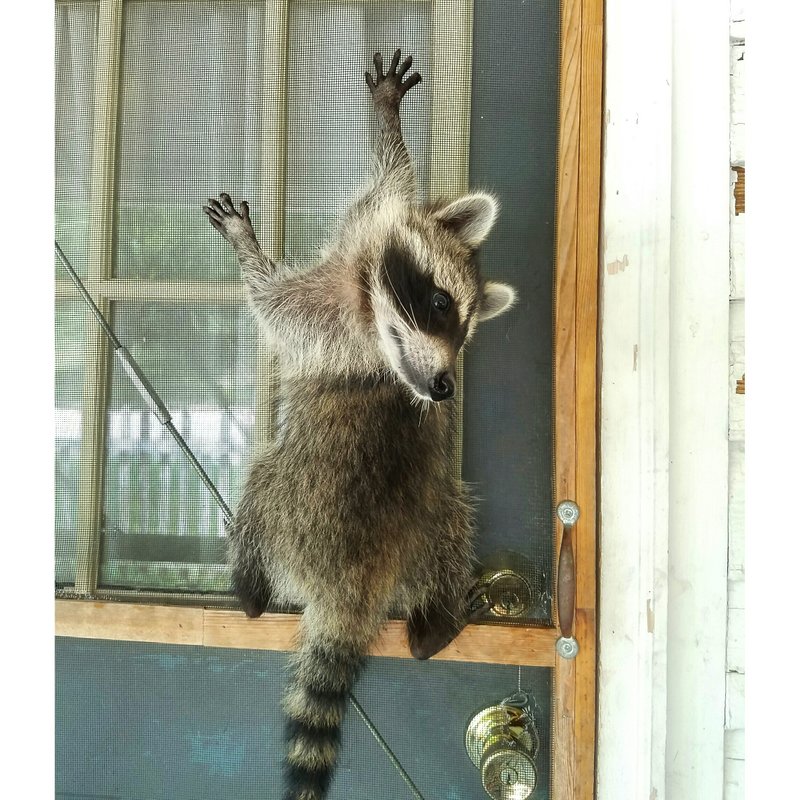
(735, 658)
(698, 398)
(668, 613)
(634, 401)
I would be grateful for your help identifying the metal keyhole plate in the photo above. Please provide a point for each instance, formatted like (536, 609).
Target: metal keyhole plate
(507, 774)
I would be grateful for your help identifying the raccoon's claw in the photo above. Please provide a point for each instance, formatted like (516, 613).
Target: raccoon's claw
(391, 87)
(478, 603)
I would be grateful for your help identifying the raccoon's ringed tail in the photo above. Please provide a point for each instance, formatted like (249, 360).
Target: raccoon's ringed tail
(314, 704)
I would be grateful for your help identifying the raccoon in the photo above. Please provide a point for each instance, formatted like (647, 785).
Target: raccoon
(353, 513)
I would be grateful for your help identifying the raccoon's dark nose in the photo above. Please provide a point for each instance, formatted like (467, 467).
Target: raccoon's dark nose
(441, 387)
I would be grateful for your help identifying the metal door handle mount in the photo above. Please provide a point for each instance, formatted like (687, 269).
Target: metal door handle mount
(568, 513)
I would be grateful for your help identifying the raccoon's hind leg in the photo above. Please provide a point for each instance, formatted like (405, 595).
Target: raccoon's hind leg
(448, 601)
(252, 588)
(433, 626)
(250, 583)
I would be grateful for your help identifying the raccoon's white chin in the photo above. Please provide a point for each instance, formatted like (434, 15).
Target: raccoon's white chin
(391, 345)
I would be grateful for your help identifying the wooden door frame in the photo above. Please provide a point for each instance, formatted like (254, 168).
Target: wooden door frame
(575, 392)
(575, 428)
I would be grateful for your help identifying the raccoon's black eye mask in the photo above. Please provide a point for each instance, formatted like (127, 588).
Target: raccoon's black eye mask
(421, 303)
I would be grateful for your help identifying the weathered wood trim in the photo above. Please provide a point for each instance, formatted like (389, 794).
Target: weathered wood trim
(663, 404)
(575, 342)
(738, 190)
(212, 627)
(133, 622)
(587, 293)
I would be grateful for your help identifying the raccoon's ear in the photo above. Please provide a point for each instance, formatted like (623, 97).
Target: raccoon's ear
(497, 297)
(471, 217)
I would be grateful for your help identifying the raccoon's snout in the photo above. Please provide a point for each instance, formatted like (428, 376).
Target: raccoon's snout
(442, 387)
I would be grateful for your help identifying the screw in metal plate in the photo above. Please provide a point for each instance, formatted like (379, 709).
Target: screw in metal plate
(568, 512)
(567, 647)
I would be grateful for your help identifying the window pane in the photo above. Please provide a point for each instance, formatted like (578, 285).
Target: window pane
(75, 39)
(70, 356)
(189, 127)
(330, 118)
(162, 528)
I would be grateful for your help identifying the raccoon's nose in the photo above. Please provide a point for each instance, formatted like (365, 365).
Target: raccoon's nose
(441, 387)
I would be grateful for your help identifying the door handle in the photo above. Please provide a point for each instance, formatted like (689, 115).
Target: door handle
(566, 646)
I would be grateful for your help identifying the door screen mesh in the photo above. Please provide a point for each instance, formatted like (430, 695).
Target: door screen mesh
(160, 105)
(194, 723)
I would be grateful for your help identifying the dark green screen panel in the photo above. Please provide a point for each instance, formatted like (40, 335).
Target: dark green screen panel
(508, 384)
(166, 722)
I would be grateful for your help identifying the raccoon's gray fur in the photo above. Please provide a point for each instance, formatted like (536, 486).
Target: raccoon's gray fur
(353, 513)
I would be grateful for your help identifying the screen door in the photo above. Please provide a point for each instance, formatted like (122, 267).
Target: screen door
(164, 689)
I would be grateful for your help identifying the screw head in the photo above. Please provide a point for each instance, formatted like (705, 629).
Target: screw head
(568, 512)
(567, 647)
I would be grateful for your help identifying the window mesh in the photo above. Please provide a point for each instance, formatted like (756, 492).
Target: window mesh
(330, 122)
(75, 71)
(71, 321)
(150, 539)
(190, 126)
(201, 107)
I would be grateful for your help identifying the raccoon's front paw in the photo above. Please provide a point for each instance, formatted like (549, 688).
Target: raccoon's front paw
(390, 88)
(234, 225)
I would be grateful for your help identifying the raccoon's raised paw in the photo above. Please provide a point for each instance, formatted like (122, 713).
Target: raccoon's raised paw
(391, 88)
(233, 225)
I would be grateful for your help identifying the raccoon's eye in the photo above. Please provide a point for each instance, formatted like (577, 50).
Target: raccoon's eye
(441, 301)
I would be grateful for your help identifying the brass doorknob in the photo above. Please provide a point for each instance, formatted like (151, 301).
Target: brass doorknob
(502, 742)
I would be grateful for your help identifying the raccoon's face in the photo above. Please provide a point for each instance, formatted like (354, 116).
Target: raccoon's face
(429, 296)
